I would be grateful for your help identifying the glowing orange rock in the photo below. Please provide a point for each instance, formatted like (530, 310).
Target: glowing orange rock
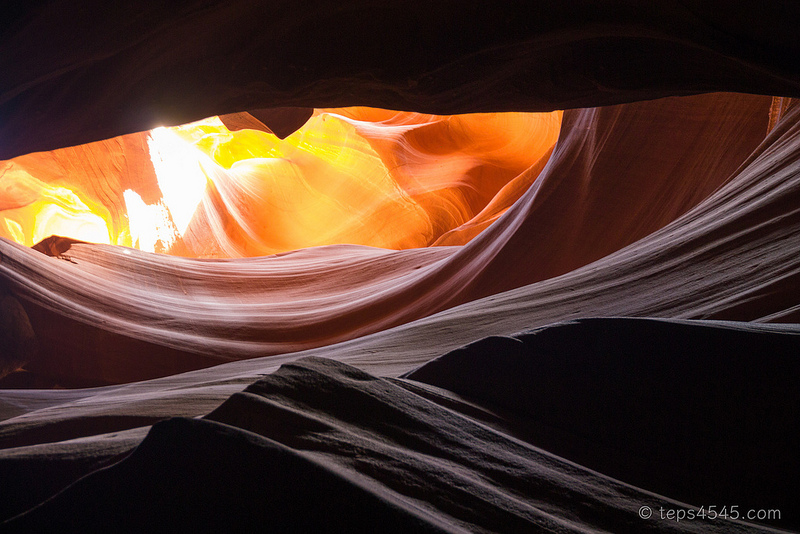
(35, 210)
(354, 175)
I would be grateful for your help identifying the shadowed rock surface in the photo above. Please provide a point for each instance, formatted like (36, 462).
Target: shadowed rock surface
(149, 64)
(320, 445)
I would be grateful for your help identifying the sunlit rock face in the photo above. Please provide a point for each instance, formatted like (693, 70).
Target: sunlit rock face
(75, 191)
(357, 175)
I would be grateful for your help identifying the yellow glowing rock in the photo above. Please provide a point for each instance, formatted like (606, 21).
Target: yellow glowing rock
(38, 210)
(353, 175)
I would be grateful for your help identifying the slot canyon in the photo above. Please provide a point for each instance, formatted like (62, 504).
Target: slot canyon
(399, 266)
